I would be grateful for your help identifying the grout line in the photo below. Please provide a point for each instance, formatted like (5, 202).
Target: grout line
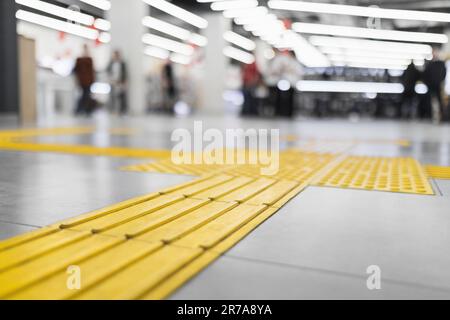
(336, 273)
(21, 224)
(436, 186)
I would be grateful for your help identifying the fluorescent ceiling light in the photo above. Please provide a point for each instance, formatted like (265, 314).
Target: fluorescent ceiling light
(378, 61)
(269, 25)
(239, 40)
(370, 45)
(166, 28)
(355, 32)
(308, 54)
(374, 66)
(174, 31)
(349, 87)
(178, 12)
(65, 13)
(164, 43)
(238, 55)
(58, 11)
(102, 24)
(372, 53)
(348, 10)
(56, 24)
(198, 40)
(233, 4)
(255, 19)
(101, 4)
(253, 12)
(163, 54)
(157, 52)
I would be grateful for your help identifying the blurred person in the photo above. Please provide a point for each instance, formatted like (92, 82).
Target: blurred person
(170, 91)
(117, 71)
(283, 74)
(409, 80)
(250, 80)
(434, 76)
(85, 74)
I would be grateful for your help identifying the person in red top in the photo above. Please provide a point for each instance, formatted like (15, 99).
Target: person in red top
(85, 74)
(250, 80)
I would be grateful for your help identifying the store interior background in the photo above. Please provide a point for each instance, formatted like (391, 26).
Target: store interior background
(209, 82)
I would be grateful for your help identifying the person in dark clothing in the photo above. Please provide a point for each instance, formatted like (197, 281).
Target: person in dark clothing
(434, 76)
(170, 91)
(409, 80)
(85, 74)
(250, 79)
(117, 71)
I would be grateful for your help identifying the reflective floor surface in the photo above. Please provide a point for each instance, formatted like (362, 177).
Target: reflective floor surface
(318, 246)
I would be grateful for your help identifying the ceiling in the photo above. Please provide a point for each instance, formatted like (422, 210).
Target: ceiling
(431, 5)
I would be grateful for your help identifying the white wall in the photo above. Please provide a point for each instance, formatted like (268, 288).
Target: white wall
(49, 44)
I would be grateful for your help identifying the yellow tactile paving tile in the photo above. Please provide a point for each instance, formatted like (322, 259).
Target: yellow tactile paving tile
(117, 218)
(271, 195)
(248, 191)
(156, 219)
(403, 175)
(438, 172)
(290, 195)
(225, 188)
(172, 283)
(213, 181)
(70, 223)
(167, 166)
(212, 233)
(86, 150)
(177, 229)
(95, 269)
(139, 278)
(19, 140)
(33, 249)
(27, 237)
(173, 189)
(52, 261)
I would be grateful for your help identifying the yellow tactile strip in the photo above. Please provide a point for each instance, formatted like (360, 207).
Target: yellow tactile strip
(294, 165)
(438, 172)
(403, 175)
(142, 248)
(19, 140)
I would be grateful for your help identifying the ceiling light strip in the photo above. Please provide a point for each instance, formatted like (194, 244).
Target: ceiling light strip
(350, 10)
(238, 55)
(167, 44)
(58, 25)
(178, 12)
(354, 32)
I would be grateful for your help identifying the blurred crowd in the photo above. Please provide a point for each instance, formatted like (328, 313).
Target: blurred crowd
(274, 91)
(433, 103)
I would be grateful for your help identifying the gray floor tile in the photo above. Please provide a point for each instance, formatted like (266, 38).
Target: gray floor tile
(41, 189)
(444, 187)
(407, 236)
(230, 278)
(8, 230)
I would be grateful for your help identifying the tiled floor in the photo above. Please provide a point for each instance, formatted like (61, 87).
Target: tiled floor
(318, 246)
